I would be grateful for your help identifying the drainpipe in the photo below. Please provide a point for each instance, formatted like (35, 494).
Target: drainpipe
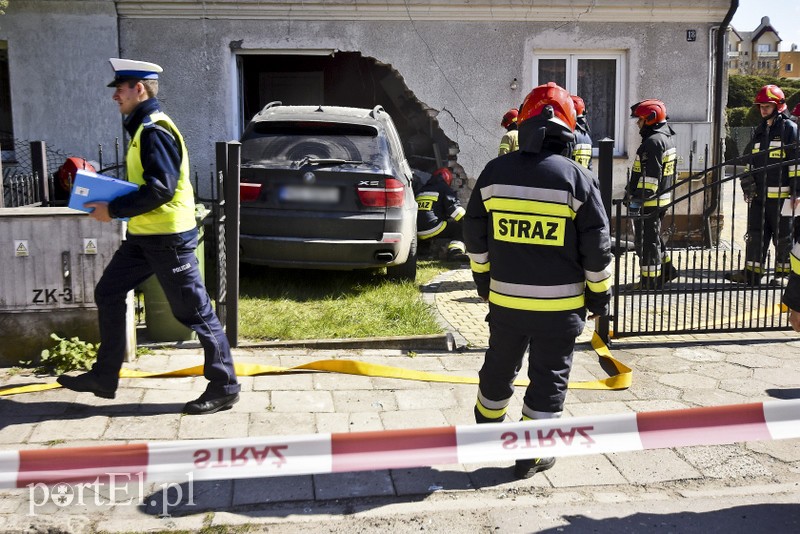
(719, 110)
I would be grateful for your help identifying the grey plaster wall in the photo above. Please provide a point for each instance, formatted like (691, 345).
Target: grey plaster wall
(58, 66)
(462, 70)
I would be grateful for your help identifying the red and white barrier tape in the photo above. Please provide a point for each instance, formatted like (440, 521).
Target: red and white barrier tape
(218, 459)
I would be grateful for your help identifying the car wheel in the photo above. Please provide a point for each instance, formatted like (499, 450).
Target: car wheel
(405, 272)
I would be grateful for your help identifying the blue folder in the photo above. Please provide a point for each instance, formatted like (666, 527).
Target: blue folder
(91, 187)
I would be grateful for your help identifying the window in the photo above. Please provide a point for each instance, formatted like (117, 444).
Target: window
(6, 124)
(788, 67)
(764, 47)
(595, 77)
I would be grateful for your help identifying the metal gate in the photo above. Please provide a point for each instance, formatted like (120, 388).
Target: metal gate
(705, 229)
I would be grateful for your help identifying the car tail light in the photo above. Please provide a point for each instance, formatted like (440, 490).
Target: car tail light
(249, 192)
(391, 195)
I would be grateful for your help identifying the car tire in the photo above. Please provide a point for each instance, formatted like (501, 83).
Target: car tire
(405, 272)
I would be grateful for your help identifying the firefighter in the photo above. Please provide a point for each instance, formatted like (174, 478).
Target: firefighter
(581, 150)
(648, 192)
(510, 140)
(439, 215)
(767, 189)
(538, 241)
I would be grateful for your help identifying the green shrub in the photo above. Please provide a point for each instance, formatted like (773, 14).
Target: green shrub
(67, 355)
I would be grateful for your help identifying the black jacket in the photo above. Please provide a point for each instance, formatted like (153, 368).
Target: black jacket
(538, 240)
(771, 145)
(653, 172)
(436, 203)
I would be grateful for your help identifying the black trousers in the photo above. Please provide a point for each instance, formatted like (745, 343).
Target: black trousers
(549, 365)
(765, 224)
(647, 236)
(172, 259)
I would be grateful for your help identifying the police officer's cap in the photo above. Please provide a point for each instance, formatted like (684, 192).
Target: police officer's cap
(129, 69)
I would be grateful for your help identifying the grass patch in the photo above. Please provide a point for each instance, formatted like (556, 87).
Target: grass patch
(289, 304)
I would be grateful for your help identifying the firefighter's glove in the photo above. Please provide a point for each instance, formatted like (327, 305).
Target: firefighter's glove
(748, 188)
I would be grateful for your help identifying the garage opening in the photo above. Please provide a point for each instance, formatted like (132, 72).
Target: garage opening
(348, 79)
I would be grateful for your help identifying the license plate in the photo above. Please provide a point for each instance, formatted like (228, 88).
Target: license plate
(302, 193)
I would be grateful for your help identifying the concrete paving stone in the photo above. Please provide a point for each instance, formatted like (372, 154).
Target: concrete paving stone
(127, 400)
(364, 401)
(657, 465)
(302, 401)
(724, 461)
(754, 390)
(152, 427)
(698, 354)
(393, 384)
(330, 423)
(245, 382)
(785, 450)
(211, 426)
(780, 377)
(336, 381)
(656, 405)
(501, 475)
(662, 364)
(716, 397)
(272, 489)
(437, 398)
(13, 500)
(190, 498)
(51, 402)
(645, 385)
(365, 422)
(402, 419)
(720, 370)
(163, 401)
(590, 470)
(428, 480)
(754, 360)
(277, 424)
(300, 381)
(252, 402)
(601, 408)
(688, 381)
(182, 383)
(601, 395)
(63, 523)
(89, 427)
(356, 484)
(458, 416)
(17, 429)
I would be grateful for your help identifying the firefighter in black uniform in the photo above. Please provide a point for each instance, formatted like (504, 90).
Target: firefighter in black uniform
(581, 148)
(767, 190)
(648, 191)
(538, 242)
(439, 215)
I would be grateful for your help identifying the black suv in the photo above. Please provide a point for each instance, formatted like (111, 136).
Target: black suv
(327, 188)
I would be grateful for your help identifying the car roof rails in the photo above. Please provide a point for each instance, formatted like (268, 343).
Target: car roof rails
(377, 109)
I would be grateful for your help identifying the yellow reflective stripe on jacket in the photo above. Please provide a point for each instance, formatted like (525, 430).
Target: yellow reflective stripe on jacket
(778, 192)
(458, 213)
(668, 162)
(426, 200)
(177, 215)
(599, 281)
(754, 266)
(582, 153)
(479, 263)
(794, 259)
(776, 149)
(509, 142)
(433, 232)
(794, 171)
(535, 200)
(663, 200)
(561, 297)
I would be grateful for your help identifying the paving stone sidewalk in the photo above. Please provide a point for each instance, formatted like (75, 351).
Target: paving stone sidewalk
(668, 373)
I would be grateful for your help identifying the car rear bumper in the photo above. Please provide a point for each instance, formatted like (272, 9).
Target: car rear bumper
(310, 253)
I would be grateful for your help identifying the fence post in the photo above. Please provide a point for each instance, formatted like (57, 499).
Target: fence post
(39, 164)
(232, 179)
(605, 174)
(2, 179)
(218, 195)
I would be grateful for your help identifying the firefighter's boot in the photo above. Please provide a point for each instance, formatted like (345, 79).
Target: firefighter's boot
(744, 277)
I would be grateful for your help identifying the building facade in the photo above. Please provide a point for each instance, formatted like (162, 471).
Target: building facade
(756, 52)
(446, 71)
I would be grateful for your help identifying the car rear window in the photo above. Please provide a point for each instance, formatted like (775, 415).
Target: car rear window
(281, 143)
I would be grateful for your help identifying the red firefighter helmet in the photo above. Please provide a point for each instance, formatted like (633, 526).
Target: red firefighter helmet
(445, 174)
(796, 111)
(651, 110)
(771, 93)
(580, 106)
(509, 118)
(557, 99)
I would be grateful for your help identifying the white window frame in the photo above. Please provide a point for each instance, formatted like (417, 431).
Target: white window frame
(572, 57)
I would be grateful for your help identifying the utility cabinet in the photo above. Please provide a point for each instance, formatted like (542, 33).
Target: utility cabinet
(50, 260)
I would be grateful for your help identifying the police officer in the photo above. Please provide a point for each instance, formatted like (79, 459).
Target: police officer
(510, 140)
(538, 241)
(648, 191)
(161, 240)
(581, 148)
(767, 189)
(439, 214)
